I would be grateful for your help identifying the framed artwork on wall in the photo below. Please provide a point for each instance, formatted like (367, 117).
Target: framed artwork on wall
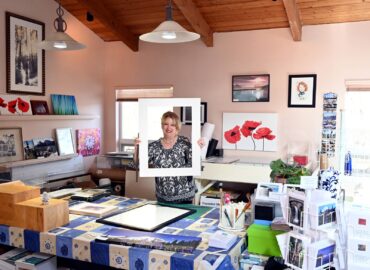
(302, 91)
(11, 144)
(25, 63)
(251, 88)
(186, 114)
(39, 107)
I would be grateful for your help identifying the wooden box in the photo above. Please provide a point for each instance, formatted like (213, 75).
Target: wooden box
(33, 215)
(12, 193)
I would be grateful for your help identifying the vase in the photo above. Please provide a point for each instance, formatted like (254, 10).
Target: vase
(328, 180)
(278, 179)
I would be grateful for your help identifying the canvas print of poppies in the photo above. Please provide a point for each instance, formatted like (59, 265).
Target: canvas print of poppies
(88, 141)
(250, 131)
(15, 105)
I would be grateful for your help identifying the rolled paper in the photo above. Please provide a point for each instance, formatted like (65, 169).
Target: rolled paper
(206, 134)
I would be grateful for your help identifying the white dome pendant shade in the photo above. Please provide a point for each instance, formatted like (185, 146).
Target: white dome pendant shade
(60, 40)
(169, 31)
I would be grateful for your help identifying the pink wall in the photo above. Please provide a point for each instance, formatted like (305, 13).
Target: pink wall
(79, 73)
(333, 52)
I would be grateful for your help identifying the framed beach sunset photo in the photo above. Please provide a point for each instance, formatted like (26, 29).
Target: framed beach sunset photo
(251, 88)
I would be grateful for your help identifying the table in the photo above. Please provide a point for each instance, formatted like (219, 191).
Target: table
(76, 240)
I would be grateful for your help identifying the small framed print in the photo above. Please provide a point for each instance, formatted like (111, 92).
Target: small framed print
(25, 62)
(11, 144)
(251, 88)
(65, 141)
(321, 254)
(39, 107)
(186, 114)
(302, 91)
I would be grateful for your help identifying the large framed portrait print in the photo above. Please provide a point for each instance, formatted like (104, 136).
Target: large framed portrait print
(25, 63)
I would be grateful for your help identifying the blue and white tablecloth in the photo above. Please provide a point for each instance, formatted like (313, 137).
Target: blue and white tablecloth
(77, 241)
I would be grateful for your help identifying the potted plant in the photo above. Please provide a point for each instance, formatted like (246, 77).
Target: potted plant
(286, 173)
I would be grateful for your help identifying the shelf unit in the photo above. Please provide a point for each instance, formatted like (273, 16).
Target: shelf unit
(47, 117)
(28, 162)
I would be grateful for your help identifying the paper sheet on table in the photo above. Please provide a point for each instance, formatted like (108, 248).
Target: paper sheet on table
(282, 242)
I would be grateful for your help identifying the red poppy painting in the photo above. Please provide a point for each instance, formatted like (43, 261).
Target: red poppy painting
(15, 105)
(257, 132)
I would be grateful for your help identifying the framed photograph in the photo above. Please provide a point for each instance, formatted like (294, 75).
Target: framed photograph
(148, 217)
(39, 107)
(297, 251)
(45, 147)
(269, 191)
(29, 150)
(302, 91)
(11, 144)
(65, 141)
(25, 64)
(186, 114)
(251, 88)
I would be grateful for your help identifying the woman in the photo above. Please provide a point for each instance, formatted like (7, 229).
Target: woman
(172, 151)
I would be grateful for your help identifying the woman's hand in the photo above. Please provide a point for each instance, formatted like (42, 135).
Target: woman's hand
(201, 142)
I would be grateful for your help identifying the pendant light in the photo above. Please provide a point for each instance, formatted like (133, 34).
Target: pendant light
(60, 40)
(169, 31)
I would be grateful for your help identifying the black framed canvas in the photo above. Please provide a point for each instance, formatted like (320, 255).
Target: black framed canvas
(186, 114)
(148, 217)
(302, 91)
(251, 88)
(25, 63)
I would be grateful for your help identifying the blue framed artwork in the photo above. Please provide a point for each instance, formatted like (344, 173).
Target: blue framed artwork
(64, 104)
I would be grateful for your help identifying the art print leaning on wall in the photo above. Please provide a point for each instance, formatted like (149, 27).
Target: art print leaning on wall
(11, 144)
(25, 62)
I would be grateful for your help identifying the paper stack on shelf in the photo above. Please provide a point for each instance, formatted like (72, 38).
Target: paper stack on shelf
(7, 260)
(37, 261)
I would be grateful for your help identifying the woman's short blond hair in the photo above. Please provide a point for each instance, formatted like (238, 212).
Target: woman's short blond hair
(175, 118)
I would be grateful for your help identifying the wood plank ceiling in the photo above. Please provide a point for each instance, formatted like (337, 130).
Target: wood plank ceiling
(126, 20)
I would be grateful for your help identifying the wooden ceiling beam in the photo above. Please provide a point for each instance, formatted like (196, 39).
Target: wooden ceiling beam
(294, 19)
(107, 18)
(196, 20)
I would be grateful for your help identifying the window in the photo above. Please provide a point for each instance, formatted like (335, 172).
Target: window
(128, 113)
(355, 137)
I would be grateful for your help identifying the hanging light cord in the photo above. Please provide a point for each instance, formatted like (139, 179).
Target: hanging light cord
(169, 11)
(60, 24)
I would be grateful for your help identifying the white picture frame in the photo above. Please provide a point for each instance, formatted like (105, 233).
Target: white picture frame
(144, 110)
(269, 191)
(65, 141)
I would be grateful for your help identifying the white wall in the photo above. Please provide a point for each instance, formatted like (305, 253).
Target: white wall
(334, 52)
(78, 73)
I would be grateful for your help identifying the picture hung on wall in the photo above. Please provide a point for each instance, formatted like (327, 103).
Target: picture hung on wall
(11, 144)
(64, 104)
(65, 141)
(15, 105)
(29, 150)
(251, 88)
(302, 91)
(186, 114)
(250, 131)
(39, 107)
(25, 62)
(45, 147)
(88, 141)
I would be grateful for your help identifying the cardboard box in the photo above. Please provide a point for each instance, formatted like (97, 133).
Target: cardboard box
(12, 193)
(33, 215)
(211, 197)
(262, 240)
